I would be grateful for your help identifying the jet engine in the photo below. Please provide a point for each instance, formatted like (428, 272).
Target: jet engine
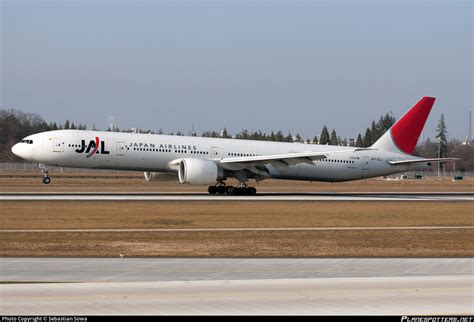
(160, 176)
(196, 171)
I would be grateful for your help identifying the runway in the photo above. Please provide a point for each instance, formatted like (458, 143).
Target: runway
(304, 196)
(399, 286)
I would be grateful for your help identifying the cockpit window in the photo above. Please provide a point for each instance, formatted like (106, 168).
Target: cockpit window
(27, 141)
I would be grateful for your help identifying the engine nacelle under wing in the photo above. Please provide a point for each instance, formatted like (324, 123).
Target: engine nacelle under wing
(197, 171)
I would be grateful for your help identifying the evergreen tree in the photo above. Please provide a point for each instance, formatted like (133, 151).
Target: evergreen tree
(315, 139)
(243, 135)
(441, 138)
(272, 137)
(388, 121)
(298, 138)
(334, 140)
(367, 140)
(66, 125)
(359, 141)
(374, 132)
(225, 135)
(324, 137)
(210, 134)
(279, 137)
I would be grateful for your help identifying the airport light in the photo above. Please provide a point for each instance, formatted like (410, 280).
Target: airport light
(439, 155)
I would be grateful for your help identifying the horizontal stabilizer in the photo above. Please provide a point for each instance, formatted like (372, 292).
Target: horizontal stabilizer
(422, 160)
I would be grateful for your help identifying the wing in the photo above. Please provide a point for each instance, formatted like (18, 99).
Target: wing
(396, 162)
(286, 159)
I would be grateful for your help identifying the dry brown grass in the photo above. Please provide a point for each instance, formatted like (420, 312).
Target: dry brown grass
(223, 214)
(70, 215)
(355, 243)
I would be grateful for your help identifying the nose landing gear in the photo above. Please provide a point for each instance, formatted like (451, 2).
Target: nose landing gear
(44, 169)
(46, 179)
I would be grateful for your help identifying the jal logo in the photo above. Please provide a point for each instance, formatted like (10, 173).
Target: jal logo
(93, 147)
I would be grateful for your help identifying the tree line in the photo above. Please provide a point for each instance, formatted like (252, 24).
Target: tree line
(372, 134)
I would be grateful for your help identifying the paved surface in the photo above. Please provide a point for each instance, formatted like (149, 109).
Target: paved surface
(237, 286)
(80, 269)
(366, 196)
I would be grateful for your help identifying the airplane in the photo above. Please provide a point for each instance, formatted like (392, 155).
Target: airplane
(210, 161)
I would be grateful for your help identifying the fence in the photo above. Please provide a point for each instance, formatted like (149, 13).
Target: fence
(31, 167)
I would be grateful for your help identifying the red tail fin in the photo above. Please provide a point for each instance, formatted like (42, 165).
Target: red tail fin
(407, 130)
(404, 134)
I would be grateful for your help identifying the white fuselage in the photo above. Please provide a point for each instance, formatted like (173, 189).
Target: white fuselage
(159, 153)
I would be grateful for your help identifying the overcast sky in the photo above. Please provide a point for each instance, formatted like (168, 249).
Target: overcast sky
(271, 65)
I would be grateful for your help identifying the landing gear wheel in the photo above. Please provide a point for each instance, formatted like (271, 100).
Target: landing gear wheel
(243, 191)
(45, 171)
(230, 190)
(237, 191)
(252, 191)
(212, 190)
(221, 190)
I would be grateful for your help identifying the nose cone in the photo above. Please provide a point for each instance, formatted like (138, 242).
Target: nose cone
(22, 150)
(16, 150)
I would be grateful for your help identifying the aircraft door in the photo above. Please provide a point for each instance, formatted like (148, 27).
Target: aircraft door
(58, 145)
(365, 163)
(364, 166)
(215, 153)
(121, 148)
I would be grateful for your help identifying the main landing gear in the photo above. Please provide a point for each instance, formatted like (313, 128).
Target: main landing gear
(232, 191)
